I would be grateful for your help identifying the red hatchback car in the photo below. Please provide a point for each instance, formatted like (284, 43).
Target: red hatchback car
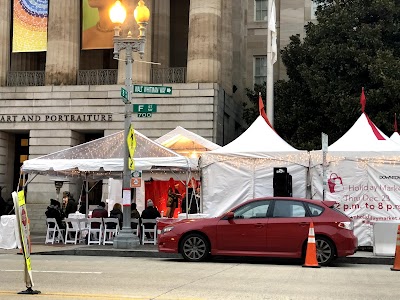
(264, 227)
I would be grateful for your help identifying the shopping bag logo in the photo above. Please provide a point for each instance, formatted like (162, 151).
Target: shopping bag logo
(335, 183)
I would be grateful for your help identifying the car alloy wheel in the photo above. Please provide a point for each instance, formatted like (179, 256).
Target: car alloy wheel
(325, 251)
(195, 247)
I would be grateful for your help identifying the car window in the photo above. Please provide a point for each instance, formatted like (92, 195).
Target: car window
(316, 210)
(288, 209)
(257, 209)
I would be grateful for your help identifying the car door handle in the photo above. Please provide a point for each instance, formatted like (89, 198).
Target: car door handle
(259, 225)
(304, 224)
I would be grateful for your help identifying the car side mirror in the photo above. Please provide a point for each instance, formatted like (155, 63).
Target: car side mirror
(229, 215)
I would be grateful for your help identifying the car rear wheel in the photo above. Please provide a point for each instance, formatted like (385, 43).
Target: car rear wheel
(325, 251)
(195, 247)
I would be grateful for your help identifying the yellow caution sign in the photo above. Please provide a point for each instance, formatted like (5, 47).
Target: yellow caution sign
(131, 164)
(131, 140)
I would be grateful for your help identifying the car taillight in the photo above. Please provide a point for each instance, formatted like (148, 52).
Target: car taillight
(346, 225)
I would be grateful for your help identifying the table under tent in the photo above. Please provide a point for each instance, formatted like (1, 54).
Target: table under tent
(362, 177)
(103, 159)
(244, 169)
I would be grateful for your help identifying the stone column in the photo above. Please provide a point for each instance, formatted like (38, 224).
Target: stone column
(141, 71)
(161, 33)
(5, 38)
(226, 47)
(62, 61)
(204, 63)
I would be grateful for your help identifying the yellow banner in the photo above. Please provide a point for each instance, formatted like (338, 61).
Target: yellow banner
(30, 25)
(97, 28)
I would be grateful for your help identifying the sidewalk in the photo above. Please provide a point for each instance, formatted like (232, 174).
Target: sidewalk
(39, 248)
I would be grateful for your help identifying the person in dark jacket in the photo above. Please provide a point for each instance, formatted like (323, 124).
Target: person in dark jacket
(54, 211)
(3, 204)
(69, 204)
(150, 213)
(116, 212)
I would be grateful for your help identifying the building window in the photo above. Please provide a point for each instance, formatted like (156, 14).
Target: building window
(260, 69)
(261, 10)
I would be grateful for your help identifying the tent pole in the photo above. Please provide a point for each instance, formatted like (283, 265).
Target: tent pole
(87, 196)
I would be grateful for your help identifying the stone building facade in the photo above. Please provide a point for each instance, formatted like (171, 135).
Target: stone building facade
(53, 100)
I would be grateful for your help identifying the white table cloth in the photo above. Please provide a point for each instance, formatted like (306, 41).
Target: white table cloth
(9, 235)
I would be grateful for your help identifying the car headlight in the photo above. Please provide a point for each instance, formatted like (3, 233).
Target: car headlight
(167, 229)
(346, 225)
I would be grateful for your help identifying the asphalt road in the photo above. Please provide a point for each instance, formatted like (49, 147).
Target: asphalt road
(95, 277)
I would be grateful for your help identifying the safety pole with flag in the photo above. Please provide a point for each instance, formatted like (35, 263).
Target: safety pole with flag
(24, 232)
(262, 110)
(272, 55)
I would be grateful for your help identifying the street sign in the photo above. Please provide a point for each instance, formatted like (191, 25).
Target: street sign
(131, 140)
(152, 89)
(125, 95)
(145, 108)
(136, 179)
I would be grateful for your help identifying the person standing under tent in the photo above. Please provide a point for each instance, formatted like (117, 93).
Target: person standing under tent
(173, 199)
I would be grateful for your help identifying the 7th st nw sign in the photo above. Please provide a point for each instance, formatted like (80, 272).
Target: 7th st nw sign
(152, 89)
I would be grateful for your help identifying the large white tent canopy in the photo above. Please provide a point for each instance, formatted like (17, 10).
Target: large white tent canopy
(103, 158)
(243, 169)
(362, 168)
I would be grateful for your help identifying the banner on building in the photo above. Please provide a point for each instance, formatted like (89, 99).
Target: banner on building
(97, 28)
(23, 226)
(30, 25)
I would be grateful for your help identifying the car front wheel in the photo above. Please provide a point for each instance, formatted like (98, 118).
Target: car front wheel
(195, 248)
(325, 251)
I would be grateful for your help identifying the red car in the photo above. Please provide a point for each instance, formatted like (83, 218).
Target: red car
(264, 227)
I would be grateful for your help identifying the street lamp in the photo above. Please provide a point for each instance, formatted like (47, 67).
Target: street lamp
(126, 239)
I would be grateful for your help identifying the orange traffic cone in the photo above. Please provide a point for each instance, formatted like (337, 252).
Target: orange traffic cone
(311, 253)
(396, 265)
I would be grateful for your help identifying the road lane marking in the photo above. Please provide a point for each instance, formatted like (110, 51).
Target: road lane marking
(64, 272)
(93, 296)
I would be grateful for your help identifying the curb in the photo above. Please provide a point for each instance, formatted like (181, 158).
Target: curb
(155, 254)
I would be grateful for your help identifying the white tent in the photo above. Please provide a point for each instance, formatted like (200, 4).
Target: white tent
(103, 158)
(362, 176)
(184, 142)
(243, 169)
(395, 137)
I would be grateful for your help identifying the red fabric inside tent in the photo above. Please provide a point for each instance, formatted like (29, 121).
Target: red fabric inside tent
(157, 191)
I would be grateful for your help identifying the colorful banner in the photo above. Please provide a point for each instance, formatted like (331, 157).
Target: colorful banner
(97, 28)
(30, 25)
(23, 225)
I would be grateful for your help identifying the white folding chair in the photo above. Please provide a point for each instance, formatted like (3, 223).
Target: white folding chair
(54, 233)
(135, 225)
(111, 229)
(95, 234)
(152, 231)
(75, 230)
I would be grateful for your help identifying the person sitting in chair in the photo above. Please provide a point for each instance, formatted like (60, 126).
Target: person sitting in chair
(54, 211)
(150, 213)
(99, 212)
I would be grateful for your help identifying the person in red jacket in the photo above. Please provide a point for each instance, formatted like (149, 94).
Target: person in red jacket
(99, 212)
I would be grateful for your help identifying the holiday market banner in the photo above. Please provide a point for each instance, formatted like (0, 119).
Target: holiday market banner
(368, 191)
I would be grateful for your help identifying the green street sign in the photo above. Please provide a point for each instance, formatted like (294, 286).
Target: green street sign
(125, 95)
(152, 89)
(145, 108)
(144, 115)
